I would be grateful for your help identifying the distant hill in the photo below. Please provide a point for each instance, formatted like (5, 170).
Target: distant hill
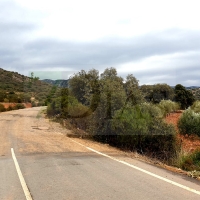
(15, 87)
(189, 87)
(192, 87)
(60, 83)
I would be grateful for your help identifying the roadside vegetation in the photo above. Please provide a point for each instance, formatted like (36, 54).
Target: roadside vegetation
(189, 126)
(15, 107)
(107, 108)
(121, 113)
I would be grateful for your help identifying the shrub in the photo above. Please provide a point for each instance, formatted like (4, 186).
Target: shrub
(19, 106)
(189, 123)
(2, 108)
(33, 104)
(196, 107)
(191, 161)
(168, 106)
(136, 129)
(6, 100)
(183, 96)
(9, 108)
(67, 107)
(153, 109)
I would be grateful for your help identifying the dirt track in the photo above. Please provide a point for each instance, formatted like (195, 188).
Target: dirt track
(33, 133)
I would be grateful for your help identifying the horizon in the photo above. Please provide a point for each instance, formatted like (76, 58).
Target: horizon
(49, 78)
(153, 40)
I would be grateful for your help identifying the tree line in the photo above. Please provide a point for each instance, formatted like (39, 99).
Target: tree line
(120, 112)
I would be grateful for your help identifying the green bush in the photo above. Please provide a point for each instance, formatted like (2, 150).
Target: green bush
(191, 161)
(68, 107)
(153, 109)
(196, 107)
(136, 129)
(2, 108)
(168, 106)
(189, 123)
(33, 104)
(19, 106)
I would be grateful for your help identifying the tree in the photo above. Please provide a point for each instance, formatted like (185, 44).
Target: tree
(85, 87)
(162, 92)
(2, 108)
(113, 95)
(2, 96)
(134, 95)
(156, 93)
(183, 96)
(78, 83)
(112, 98)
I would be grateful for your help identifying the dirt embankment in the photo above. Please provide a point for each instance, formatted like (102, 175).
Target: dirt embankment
(6, 105)
(189, 144)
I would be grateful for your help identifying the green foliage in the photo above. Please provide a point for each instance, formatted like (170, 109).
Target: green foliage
(112, 98)
(33, 104)
(137, 129)
(189, 123)
(156, 93)
(196, 107)
(168, 106)
(52, 94)
(134, 94)
(6, 100)
(132, 121)
(66, 106)
(113, 95)
(19, 106)
(81, 84)
(2, 108)
(191, 161)
(153, 109)
(2, 96)
(183, 96)
(113, 110)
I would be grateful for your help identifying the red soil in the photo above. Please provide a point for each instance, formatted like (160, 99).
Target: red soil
(6, 105)
(189, 144)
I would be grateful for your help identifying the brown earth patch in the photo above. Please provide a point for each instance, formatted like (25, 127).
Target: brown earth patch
(189, 143)
(6, 105)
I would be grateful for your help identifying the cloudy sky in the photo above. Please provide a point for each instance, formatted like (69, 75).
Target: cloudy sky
(156, 41)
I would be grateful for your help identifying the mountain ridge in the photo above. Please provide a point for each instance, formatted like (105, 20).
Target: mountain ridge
(59, 82)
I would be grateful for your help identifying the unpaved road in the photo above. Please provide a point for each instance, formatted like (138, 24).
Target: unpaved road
(57, 167)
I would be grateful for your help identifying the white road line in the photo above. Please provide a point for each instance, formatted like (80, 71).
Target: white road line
(21, 178)
(142, 170)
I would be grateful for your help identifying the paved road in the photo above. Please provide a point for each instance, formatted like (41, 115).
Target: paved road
(57, 167)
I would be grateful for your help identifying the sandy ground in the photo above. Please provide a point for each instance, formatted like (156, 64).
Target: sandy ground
(28, 131)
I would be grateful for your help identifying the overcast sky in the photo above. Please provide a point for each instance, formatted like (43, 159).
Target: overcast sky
(157, 41)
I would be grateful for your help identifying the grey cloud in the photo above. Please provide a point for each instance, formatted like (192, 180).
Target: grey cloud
(114, 52)
(180, 73)
(49, 53)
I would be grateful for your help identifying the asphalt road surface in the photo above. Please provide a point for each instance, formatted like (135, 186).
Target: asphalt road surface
(55, 167)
